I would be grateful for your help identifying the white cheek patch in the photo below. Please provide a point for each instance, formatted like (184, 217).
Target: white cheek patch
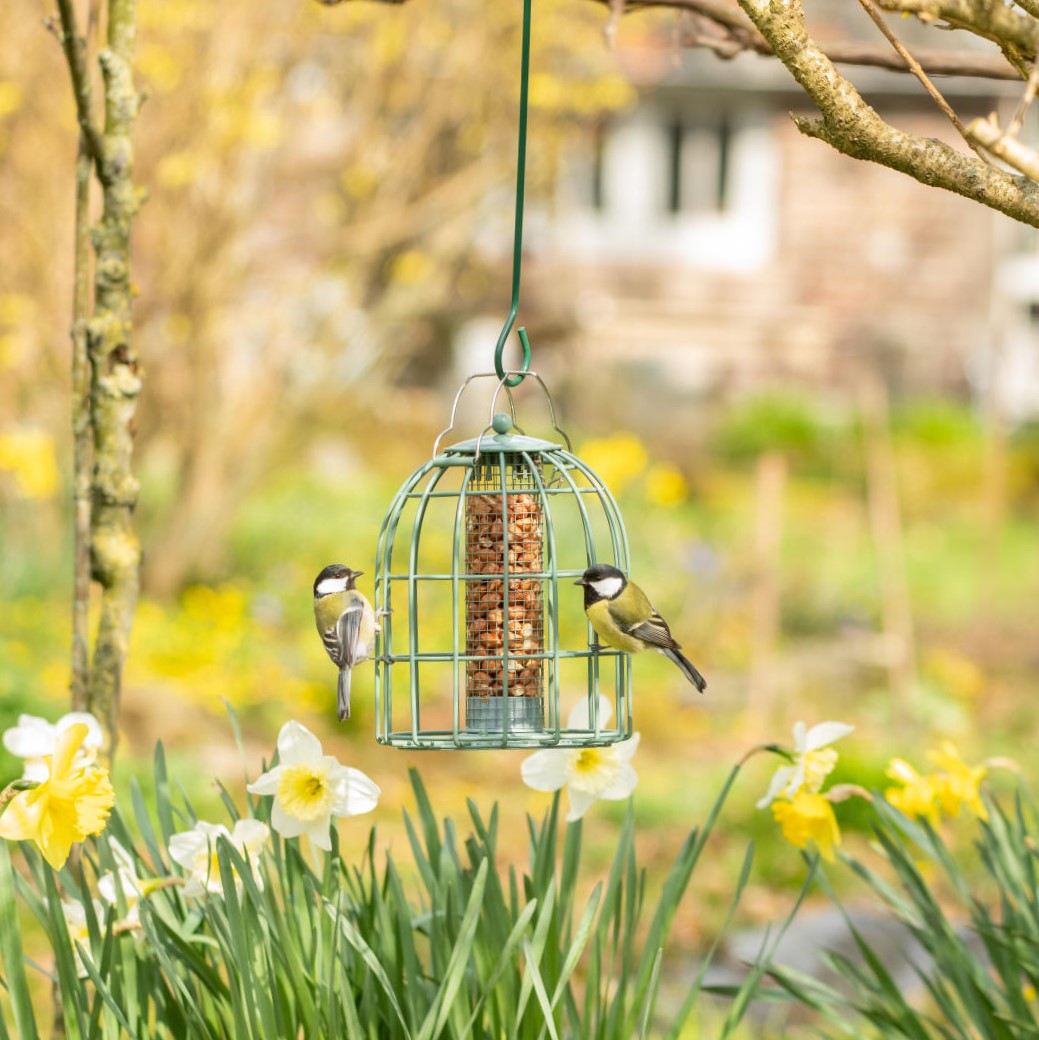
(330, 585)
(608, 587)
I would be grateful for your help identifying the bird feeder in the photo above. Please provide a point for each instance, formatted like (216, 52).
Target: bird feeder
(484, 642)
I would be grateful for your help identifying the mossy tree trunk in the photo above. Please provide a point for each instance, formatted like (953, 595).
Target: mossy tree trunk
(106, 368)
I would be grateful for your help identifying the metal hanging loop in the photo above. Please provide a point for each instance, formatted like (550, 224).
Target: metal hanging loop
(516, 376)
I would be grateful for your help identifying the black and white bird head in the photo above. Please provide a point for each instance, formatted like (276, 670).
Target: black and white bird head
(601, 581)
(336, 577)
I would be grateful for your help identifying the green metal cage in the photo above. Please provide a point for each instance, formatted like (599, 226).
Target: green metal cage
(484, 642)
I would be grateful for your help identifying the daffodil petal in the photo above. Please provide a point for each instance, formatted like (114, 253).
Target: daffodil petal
(95, 736)
(33, 737)
(67, 743)
(297, 744)
(355, 792)
(267, 783)
(780, 778)
(320, 833)
(250, 836)
(825, 733)
(22, 818)
(626, 749)
(626, 782)
(286, 825)
(545, 770)
(580, 803)
(579, 717)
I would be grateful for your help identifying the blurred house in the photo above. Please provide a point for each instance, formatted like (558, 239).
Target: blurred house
(704, 247)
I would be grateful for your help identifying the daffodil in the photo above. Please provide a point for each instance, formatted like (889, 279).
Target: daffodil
(126, 880)
(75, 914)
(957, 783)
(813, 761)
(588, 774)
(808, 817)
(34, 738)
(196, 851)
(72, 802)
(310, 787)
(918, 794)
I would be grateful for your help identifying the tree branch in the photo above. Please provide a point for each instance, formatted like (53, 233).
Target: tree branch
(75, 55)
(739, 34)
(987, 133)
(854, 128)
(994, 21)
(116, 383)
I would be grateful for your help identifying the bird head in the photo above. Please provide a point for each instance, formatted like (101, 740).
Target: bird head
(336, 577)
(601, 581)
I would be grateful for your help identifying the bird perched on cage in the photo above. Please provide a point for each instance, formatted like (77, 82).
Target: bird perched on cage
(623, 617)
(346, 624)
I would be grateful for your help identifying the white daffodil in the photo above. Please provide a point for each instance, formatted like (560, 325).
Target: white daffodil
(310, 787)
(75, 914)
(587, 773)
(196, 852)
(133, 888)
(34, 738)
(813, 760)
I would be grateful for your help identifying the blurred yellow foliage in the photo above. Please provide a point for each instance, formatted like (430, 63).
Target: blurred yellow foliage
(159, 67)
(11, 97)
(955, 672)
(665, 486)
(617, 460)
(411, 267)
(359, 181)
(29, 456)
(178, 169)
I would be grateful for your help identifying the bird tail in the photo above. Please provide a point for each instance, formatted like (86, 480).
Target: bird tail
(688, 668)
(343, 694)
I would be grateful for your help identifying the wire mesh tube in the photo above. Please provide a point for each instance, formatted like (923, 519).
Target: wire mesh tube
(504, 601)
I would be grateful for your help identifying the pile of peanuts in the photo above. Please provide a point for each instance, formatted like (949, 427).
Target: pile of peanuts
(485, 611)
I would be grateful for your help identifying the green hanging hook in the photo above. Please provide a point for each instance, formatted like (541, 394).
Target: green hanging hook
(517, 236)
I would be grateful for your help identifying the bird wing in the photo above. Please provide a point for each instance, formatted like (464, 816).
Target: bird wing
(653, 630)
(347, 634)
(340, 639)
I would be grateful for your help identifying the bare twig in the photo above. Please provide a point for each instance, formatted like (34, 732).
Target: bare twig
(75, 51)
(739, 34)
(1027, 98)
(987, 132)
(913, 65)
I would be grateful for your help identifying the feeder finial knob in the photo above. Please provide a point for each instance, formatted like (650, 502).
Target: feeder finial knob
(502, 422)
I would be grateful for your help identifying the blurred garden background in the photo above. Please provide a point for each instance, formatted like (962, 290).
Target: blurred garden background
(812, 385)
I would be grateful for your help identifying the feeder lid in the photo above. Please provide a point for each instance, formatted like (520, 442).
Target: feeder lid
(502, 441)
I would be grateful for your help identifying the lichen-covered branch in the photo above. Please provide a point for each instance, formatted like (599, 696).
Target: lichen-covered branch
(992, 19)
(82, 435)
(854, 128)
(116, 379)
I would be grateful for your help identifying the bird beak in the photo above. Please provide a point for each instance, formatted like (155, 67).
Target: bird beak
(356, 574)
(580, 581)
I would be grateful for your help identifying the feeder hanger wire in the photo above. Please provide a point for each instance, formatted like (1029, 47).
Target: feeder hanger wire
(517, 377)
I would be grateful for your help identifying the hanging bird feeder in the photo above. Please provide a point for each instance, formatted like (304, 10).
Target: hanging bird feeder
(485, 643)
(483, 634)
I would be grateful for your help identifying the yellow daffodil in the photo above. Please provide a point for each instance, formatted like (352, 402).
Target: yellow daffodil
(812, 761)
(957, 783)
(808, 817)
(71, 803)
(918, 795)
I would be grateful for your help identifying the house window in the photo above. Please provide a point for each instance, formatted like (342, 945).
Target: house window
(700, 165)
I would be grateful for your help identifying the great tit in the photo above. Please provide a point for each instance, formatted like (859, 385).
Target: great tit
(623, 618)
(346, 623)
